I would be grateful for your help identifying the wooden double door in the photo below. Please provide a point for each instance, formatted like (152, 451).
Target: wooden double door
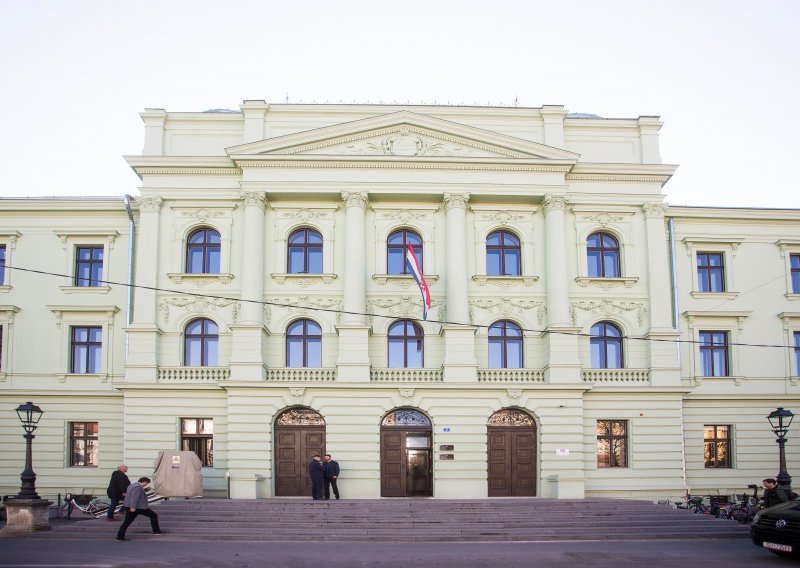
(406, 462)
(294, 448)
(512, 462)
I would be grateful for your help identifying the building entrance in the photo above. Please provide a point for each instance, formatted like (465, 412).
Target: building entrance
(511, 438)
(299, 434)
(406, 454)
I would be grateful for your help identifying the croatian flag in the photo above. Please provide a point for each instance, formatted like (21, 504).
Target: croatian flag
(416, 272)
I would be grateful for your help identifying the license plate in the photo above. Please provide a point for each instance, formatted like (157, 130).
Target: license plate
(778, 547)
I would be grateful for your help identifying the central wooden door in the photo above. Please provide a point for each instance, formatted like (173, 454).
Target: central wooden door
(511, 438)
(299, 434)
(406, 455)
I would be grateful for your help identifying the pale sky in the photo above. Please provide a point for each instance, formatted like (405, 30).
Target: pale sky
(723, 76)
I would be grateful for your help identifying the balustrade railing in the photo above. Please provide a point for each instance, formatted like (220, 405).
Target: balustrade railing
(291, 374)
(406, 375)
(616, 376)
(510, 376)
(193, 374)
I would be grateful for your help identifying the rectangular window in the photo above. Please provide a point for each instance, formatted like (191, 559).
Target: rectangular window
(797, 353)
(714, 353)
(2, 329)
(710, 272)
(86, 345)
(717, 446)
(795, 263)
(612, 443)
(88, 266)
(2, 265)
(197, 435)
(84, 445)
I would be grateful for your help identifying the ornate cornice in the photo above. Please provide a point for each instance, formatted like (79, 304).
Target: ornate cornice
(150, 203)
(654, 210)
(203, 214)
(355, 199)
(604, 218)
(165, 171)
(198, 305)
(405, 164)
(553, 202)
(455, 201)
(606, 307)
(506, 307)
(612, 177)
(304, 305)
(404, 215)
(254, 199)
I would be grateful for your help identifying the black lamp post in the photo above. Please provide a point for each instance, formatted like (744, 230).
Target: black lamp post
(29, 414)
(780, 420)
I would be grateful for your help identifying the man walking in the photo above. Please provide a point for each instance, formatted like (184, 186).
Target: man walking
(136, 504)
(116, 489)
(331, 475)
(317, 473)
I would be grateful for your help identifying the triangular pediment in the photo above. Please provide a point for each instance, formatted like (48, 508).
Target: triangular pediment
(402, 135)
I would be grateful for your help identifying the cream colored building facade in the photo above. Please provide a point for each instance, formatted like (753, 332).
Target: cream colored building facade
(613, 336)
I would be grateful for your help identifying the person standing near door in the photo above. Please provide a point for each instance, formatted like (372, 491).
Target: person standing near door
(316, 472)
(331, 475)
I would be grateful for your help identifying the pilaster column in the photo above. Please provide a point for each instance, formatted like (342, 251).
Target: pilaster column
(459, 340)
(143, 333)
(249, 336)
(563, 364)
(353, 362)
(664, 365)
(253, 257)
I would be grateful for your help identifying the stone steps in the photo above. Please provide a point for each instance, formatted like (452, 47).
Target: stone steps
(409, 520)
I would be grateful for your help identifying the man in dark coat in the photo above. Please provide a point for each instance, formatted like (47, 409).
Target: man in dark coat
(331, 475)
(116, 489)
(773, 495)
(317, 473)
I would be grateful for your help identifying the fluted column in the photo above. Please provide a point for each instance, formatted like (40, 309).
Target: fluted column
(355, 278)
(459, 340)
(248, 337)
(143, 333)
(556, 272)
(253, 257)
(353, 362)
(455, 206)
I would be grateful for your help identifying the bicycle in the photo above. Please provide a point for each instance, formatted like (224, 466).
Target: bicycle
(89, 504)
(744, 511)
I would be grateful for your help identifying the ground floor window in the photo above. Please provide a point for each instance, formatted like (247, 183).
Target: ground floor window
(612, 443)
(197, 435)
(84, 444)
(717, 446)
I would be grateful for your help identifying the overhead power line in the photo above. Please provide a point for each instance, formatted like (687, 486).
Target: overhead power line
(367, 314)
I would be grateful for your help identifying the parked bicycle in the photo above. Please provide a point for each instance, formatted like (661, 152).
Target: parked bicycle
(744, 511)
(89, 504)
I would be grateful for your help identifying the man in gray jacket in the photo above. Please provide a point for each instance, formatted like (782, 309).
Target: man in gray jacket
(136, 504)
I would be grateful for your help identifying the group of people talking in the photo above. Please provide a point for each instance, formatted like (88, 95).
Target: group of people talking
(323, 472)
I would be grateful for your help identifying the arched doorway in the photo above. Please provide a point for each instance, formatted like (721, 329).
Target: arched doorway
(406, 454)
(299, 434)
(511, 437)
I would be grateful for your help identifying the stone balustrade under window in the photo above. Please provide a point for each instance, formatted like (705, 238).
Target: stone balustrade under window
(297, 374)
(616, 376)
(406, 375)
(193, 374)
(510, 376)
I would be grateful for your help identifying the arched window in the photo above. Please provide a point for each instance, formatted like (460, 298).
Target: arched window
(305, 252)
(503, 254)
(505, 345)
(396, 246)
(606, 346)
(201, 344)
(602, 252)
(304, 344)
(406, 345)
(202, 252)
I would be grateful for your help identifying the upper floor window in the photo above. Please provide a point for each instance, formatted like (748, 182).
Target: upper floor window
(86, 346)
(612, 443)
(794, 260)
(2, 264)
(201, 344)
(88, 266)
(606, 346)
(710, 272)
(714, 353)
(797, 353)
(602, 251)
(197, 435)
(84, 444)
(202, 252)
(406, 345)
(503, 254)
(305, 252)
(304, 344)
(505, 346)
(717, 446)
(396, 247)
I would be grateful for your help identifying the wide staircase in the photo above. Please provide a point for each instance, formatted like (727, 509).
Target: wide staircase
(409, 520)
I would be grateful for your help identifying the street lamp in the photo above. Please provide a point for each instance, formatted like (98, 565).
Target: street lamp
(780, 420)
(29, 414)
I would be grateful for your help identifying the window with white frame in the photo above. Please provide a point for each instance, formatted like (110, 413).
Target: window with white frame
(713, 348)
(86, 349)
(612, 443)
(2, 265)
(717, 446)
(797, 353)
(713, 262)
(84, 444)
(605, 346)
(86, 339)
(197, 435)
(8, 242)
(88, 259)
